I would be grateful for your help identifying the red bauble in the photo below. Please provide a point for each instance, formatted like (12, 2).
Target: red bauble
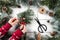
(23, 23)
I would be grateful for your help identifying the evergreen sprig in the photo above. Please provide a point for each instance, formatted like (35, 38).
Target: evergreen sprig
(3, 21)
(54, 38)
(8, 3)
(27, 15)
(57, 14)
(50, 3)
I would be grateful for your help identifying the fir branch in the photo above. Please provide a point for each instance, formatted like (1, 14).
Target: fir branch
(27, 15)
(57, 14)
(50, 3)
(9, 10)
(3, 21)
(9, 3)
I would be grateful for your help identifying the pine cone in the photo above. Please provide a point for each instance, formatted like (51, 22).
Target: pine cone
(38, 36)
(4, 9)
(53, 33)
(51, 14)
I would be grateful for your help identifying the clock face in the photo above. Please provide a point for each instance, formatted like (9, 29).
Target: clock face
(41, 20)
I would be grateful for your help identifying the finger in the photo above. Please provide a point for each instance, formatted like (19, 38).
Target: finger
(24, 29)
(21, 27)
(12, 19)
(16, 21)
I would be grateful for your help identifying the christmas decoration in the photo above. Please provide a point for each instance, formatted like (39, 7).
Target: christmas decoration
(6, 10)
(57, 14)
(3, 21)
(53, 33)
(3, 18)
(18, 6)
(9, 2)
(50, 3)
(51, 13)
(42, 10)
(6, 4)
(54, 38)
(26, 16)
(38, 36)
(48, 21)
(4, 7)
(30, 2)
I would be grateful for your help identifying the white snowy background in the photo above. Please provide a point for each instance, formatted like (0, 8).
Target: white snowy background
(33, 27)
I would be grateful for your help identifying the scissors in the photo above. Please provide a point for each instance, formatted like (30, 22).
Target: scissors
(41, 27)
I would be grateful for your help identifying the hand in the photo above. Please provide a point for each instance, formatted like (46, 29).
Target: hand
(13, 21)
(23, 28)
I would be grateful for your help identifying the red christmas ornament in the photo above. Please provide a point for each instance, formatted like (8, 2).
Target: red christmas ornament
(22, 21)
